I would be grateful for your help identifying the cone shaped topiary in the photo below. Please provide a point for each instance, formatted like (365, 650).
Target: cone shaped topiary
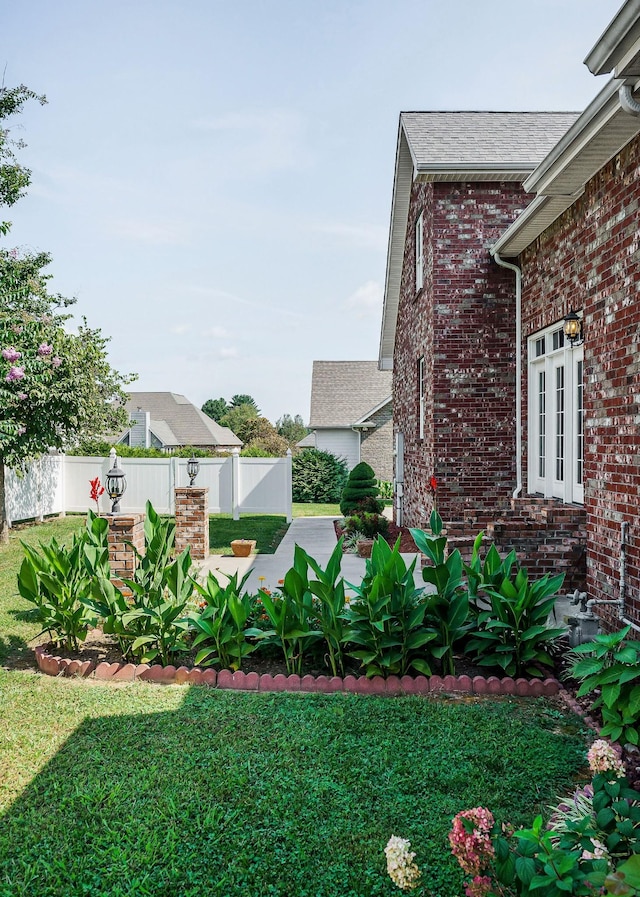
(361, 485)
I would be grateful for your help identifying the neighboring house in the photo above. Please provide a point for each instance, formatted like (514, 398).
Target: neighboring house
(168, 421)
(351, 413)
(519, 425)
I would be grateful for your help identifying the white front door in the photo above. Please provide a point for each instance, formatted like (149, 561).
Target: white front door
(556, 431)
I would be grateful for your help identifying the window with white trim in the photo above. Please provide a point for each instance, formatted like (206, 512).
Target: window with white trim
(419, 254)
(421, 396)
(556, 420)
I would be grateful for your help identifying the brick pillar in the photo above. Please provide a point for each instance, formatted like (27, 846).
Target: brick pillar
(192, 520)
(129, 527)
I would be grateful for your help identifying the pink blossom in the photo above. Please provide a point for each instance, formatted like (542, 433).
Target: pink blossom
(56, 361)
(472, 849)
(44, 349)
(15, 373)
(479, 886)
(11, 354)
(22, 396)
(21, 430)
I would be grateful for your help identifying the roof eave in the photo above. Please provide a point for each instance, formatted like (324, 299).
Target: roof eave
(601, 109)
(616, 42)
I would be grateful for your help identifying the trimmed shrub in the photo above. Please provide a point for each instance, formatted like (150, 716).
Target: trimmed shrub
(368, 524)
(318, 476)
(361, 485)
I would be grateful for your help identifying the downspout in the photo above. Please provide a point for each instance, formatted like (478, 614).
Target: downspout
(518, 273)
(627, 102)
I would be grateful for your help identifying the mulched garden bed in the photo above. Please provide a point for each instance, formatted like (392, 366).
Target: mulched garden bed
(407, 545)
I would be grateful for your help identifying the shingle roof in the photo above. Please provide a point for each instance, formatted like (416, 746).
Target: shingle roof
(495, 139)
(190, 425)
(343, 392)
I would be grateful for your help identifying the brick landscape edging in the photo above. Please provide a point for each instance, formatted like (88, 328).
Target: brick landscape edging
(240, 681)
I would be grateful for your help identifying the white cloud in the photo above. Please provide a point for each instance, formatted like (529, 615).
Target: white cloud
(265, 140)
(217, 333)
(366, 300)
(180, 329)
(228, 352)
(365, 236)
(145, 231)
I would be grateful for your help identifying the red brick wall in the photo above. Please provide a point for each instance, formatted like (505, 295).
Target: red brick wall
(590, 259)
(463, 322)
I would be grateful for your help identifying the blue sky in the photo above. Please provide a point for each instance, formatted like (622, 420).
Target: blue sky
(213, 178)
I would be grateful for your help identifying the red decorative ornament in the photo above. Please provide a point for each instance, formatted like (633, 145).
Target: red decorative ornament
(433, 485)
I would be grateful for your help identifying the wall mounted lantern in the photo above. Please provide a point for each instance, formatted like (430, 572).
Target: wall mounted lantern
(115, 484)
(572, 327)
(193, 467)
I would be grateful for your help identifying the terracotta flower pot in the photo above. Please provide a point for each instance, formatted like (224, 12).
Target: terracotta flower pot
(242, 548)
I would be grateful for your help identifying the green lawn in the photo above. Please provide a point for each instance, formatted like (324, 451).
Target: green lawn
(312, 509)
(266, 529)
(145, 790)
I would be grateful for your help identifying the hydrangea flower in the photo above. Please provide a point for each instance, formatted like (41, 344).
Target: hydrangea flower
(603, 758)
(479, 886)
(22, 396)
(44, 349)
(15, 373)
(11, 354)
(403, 872)
(472, 849)
(56, 361)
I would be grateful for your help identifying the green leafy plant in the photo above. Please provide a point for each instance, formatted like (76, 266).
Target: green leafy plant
(329, 607)
(612, 671)
(291, 614)
(386, 619)
(447, 604)
(58, 580)
(512, 633)
(152, 623)
(368, 523)
(221, 623)
(488, 574)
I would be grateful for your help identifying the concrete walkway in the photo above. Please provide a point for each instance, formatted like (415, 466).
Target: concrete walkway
(315, 534)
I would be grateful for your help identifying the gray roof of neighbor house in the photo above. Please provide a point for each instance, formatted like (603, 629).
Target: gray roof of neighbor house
(458, 147)
(346, 392)
(189, 425)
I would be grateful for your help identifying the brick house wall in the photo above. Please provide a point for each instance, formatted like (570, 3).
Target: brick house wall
(376, 445)
(462, 322)
(590, 259)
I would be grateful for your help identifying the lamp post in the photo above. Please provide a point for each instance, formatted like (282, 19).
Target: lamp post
(193, 467)
(116, 484)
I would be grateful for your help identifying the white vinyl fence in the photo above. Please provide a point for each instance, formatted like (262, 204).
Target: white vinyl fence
(59, 483)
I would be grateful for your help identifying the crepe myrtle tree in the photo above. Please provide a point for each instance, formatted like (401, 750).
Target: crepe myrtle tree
(56, 386)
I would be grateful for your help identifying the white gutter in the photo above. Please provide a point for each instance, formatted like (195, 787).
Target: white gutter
(503, 263)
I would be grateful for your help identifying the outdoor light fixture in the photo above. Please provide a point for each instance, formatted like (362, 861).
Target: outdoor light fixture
(193, 466)
(572, 328)
(115, 484)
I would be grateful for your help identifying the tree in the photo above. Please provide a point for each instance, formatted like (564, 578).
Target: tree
(215, 408)
(55, 386)
(242, 399)
(259, 435)
(317, 476)
(237, 418)
(291, 428)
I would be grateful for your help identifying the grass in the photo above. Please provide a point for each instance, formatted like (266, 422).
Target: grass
(313, 509)
(266, 529)
(174, 792)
